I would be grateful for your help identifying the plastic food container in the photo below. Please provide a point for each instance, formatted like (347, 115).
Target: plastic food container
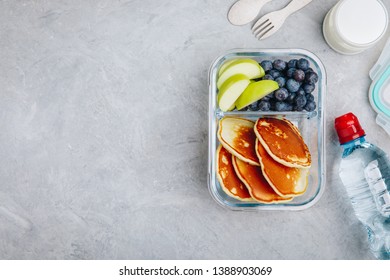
(353, 26)
(379, 93)
(310, 124)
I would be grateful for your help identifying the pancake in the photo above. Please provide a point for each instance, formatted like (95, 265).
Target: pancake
(237, 136)
(283, 142)
(257, 185)
(285, 181)
(227, 177)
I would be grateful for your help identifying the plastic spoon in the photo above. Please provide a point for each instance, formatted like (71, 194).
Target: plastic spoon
(244, 11)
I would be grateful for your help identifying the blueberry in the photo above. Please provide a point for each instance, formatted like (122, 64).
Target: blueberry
(292, 85)
(281, 81)
(254, 106)
(298, 109)
(310, 106)
(292, 63)
(274, 73)
(266, 65)
(308, 88)
(291, 98)
(303, 64)
(272, 104)
(283, 106)
(301, 91)
(268, 77)
(281, 94)
(299, 75)
(311, 78)
(309, 70)
(244, 109)
(300, 101)
(309, 97)
(290, 72)
(264, 105)
(267, 97)
(271, 95)
(279, 65)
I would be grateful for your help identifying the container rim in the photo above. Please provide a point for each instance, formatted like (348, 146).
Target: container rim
(276, 51)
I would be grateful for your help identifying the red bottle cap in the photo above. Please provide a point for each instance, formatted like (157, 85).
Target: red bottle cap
(348, 128)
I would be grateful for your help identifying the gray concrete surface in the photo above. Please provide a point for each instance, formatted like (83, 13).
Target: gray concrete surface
(103, 143)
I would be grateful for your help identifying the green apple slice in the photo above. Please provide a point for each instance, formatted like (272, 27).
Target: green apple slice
(255, 91)
(232, 107)
(231, 90)
(245, 66)
(225, 65)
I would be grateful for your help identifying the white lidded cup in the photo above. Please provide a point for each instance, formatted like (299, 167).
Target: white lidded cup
(353, 26)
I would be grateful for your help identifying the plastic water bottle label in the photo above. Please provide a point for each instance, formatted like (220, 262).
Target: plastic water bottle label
(378, 187)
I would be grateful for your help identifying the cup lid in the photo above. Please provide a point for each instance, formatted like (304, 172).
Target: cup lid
(361, 22)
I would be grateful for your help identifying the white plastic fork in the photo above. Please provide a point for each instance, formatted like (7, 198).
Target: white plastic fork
(268, 24)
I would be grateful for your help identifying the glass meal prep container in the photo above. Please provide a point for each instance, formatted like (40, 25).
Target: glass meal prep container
(310, 125)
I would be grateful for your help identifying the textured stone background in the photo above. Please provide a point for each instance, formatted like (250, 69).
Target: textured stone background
(103, 143)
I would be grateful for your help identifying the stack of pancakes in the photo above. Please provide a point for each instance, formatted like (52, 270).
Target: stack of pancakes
(267, 161)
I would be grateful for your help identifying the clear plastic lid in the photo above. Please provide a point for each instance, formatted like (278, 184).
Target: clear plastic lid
(361, 22)
(379, 93)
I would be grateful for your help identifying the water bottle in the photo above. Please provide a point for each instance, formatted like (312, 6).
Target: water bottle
(365, 173)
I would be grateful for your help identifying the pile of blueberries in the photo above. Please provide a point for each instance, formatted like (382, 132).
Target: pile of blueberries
(296, 84)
